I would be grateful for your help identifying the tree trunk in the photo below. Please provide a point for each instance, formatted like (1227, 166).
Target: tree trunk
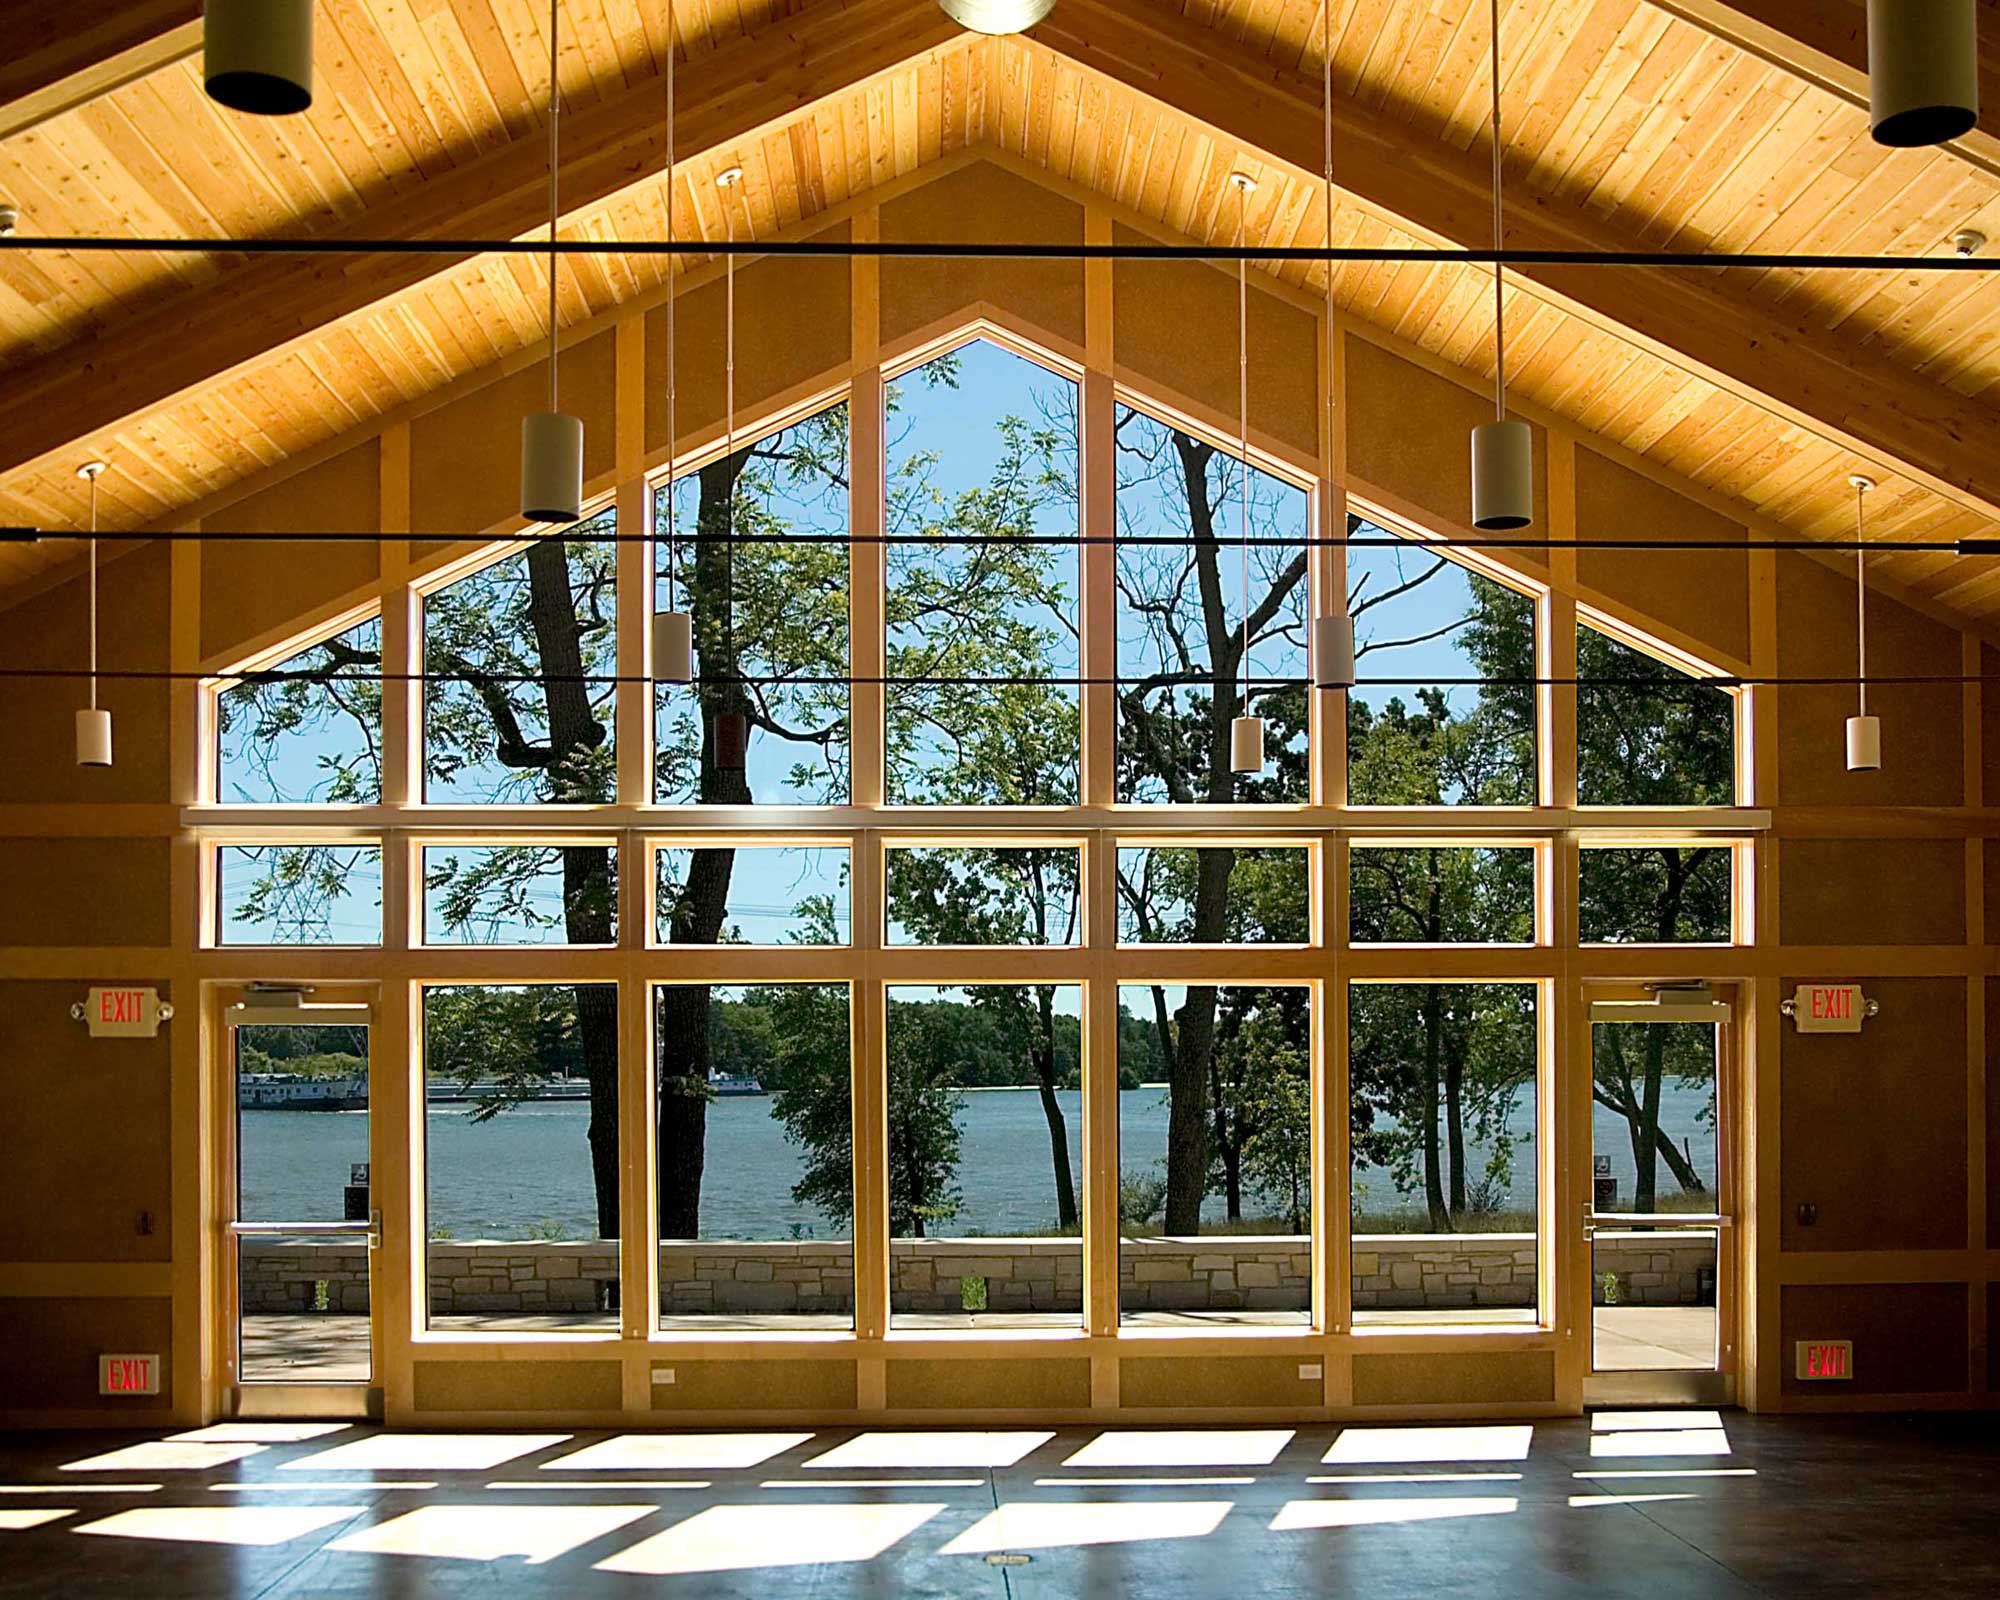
(1433, 1042)
(574, 732)
(1646, 1136)
(1193, 1058)
(1052, 1112)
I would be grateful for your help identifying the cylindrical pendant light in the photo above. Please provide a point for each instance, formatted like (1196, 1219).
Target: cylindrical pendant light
(1503, 451)
(1246, 732)
(1333, 636)
(996, 16)
(732, 728)
(673, 628)
(93, 724)
(1923, 70)
(551, 443)
(1864, 733)
(257, 55)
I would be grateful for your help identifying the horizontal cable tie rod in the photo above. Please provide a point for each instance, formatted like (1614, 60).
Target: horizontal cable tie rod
(1007, 250)
(1675, 682)
(574, 534)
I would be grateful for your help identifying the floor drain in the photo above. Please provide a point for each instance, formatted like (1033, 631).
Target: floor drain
(1008, 1558)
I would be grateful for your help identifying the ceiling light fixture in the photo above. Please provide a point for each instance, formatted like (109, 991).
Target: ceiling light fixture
(1246, 732)
(552, 443)
(1923, 70)
(93, 725)
(1503, 450)
(996, 16)
(10, 220)
(1967, 243)
(673, 629)
(1864, 733)
(1333, 635)
(732, 727)
(257, 55)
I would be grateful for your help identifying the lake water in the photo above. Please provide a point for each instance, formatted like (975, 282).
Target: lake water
(528, 1168)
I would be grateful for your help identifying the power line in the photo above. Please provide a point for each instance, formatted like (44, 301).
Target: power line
(1013, 250)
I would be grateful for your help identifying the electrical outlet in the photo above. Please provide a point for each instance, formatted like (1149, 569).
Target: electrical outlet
(1311, 1372)
(663, 1374)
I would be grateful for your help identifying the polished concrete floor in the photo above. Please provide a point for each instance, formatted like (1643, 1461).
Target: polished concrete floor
(1653, 1506)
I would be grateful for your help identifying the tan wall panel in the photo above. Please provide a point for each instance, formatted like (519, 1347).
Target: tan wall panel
(1872, 891)
(1874, 1124)
(1148, 1383)
(249, 588)
(1705, 596)
(518, 1386)
(1989, 729)
(962, 206)
(85, 892)
(1909, 1338)
(1409, 431)
(792, 325)
(1993, 1132)
(1923, 745)
(52, 1346)
(51, 630)
(748, 1385)
(992, 1384)
(86, 1134)
(1175, 322)
(465, 457)
(1502, 1377)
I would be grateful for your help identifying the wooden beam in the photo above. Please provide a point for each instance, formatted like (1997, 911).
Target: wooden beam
(264, 306)
(1780, 360)
(1825, 42)
(64, 53)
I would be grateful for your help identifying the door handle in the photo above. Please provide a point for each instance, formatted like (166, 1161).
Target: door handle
(375, 1230)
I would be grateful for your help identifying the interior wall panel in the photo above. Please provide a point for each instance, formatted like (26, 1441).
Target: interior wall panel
(1872, 891)
(989, 1384)
(82, 892)
(52, 1346)
(1909, 1338)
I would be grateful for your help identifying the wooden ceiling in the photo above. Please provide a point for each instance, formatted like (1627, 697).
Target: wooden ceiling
(1649, 123)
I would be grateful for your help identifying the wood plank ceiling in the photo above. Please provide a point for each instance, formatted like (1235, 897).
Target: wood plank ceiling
(1620, 108)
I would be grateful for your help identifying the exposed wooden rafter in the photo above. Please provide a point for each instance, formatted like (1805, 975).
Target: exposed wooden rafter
(1899, 420)
(62, 53)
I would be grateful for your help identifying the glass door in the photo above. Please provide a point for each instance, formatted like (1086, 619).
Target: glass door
(302, 1219)
(1657, 1218)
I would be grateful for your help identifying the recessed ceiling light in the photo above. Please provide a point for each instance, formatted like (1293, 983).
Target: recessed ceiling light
(997, 16)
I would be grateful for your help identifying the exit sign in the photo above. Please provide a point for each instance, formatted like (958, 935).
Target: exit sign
(1824, 1360)
(1829, 1007)
(128, 1374)
(122, 1012)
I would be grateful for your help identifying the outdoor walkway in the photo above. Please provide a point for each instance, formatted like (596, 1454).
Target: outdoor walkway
(1631, 1506)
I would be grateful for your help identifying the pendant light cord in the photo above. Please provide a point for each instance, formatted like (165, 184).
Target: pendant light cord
(1499, 272)
(555, 112)
(673, 547)
(1243, 419)
(93, 591)
(1326, 74)
(1861, 596)
(729, 416)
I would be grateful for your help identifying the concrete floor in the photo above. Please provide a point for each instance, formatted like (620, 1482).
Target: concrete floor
(1651, 1506)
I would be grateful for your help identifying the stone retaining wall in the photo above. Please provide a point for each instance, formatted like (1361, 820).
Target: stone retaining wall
(1211, 1273)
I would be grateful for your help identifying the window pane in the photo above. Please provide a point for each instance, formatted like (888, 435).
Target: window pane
(1430, 894)
(758, 558)
(508, 718)
(981, 445)
(1665, 894)
(752, 894)
(1181, 667)
(521, 1155)
(1665, 1159)
(982, 896)
(1168, 894)
(1215, 1154)
(1422, 619)
(313, 736)
(1444, 1125)
(985, 1155)
(521, 894)
(299, 894)
(1642, 738)
(756, 1141)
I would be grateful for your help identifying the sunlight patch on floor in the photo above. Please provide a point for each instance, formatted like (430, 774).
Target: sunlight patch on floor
(1407, 1446)
(1206, 1447)
(426, 1452)
(1415, 1477)
(1298, 1516)
(875, 1452)
(258, 1432)
(1652, 1421)
(162, 1455)
(1020, 1525)
(1670, 1472)
(1690, 1442)
(328, 1486)
(1583, 1501)
(742, 1538)
(678, 1452)
(487, 1533)
(13, 1519)
(241, 1525)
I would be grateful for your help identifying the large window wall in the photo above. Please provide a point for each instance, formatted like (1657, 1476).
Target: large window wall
(1024, 1010)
